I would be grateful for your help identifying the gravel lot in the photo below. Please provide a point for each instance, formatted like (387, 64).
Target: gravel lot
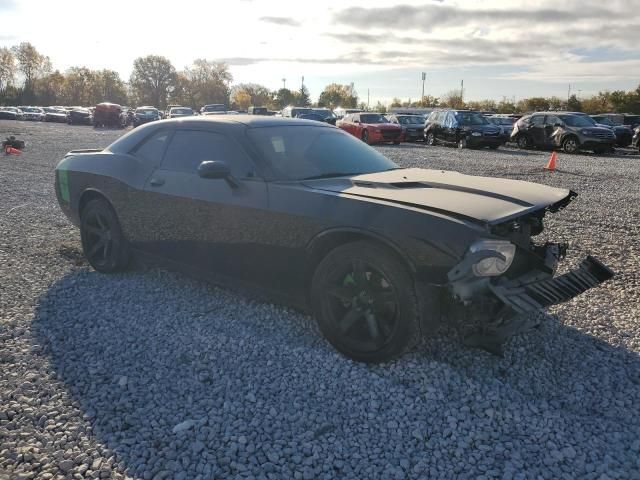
(153, 375)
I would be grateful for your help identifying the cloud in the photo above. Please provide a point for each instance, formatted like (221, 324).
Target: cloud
(284, 21)
(430, 17)
(6, 5)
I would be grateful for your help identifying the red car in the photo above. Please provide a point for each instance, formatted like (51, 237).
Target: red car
(371, 127)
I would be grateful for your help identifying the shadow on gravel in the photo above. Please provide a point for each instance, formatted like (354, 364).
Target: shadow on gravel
(175, 376)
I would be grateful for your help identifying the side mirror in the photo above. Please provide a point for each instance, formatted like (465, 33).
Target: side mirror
(214, 169)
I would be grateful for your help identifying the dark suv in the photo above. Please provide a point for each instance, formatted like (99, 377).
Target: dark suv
(464, 128)
(562, 130)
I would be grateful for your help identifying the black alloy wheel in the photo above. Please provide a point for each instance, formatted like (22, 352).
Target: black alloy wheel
(364, 301)
(103, 243)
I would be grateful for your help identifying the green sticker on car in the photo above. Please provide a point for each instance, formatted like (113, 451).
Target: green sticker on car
(63, 184)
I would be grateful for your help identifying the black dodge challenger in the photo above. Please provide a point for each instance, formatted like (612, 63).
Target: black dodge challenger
(309, 214)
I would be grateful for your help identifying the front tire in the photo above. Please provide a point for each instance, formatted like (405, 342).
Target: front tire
(523, 142)
(365, 137)
(364, 301)
(431, 139)
(103, 243)
(462, 143)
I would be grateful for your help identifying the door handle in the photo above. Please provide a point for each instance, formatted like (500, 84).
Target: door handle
(156, 182)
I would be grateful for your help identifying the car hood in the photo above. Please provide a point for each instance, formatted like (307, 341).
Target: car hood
(484, 200)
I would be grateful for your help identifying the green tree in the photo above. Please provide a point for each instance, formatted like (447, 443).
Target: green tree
(380, 107)
(260, 95)
(32, 64)
(283, 98)
(428, 101)
(49, 90)
(7, 68)
(108, 87)
(573, 104)
(206, 82)
(396, 102)
(336, 95)
(302, 98)
(452, 99)
(506, 106)
(152, 80)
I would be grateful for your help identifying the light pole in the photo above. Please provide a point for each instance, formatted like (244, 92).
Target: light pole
(424, 77)
(284, 83)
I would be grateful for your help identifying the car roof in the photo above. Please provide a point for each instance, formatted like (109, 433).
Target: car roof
(243, 119)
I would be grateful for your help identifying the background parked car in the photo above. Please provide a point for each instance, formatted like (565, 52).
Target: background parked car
(464, 128)
(10, 113)
(53, 114)
(109, 115)
(342, 112)
(623, 133)
(213, 109)
(80, 116)
(505, 122)
(145, 115)
(636, 138)
(33, 113)
(562, 130)
(295, 112)
(371, 128)
(177, 112)
(412, 126)
(327, 115)
(257, 110)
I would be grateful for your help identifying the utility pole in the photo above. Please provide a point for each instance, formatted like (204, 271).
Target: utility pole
(367, 99)
(302, 84)
(569, 93)
(461, 91)
(424, 77)
(284, 83)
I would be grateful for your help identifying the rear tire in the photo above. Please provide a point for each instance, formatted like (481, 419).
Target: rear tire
(365, 137)
(462, 143)
(103, 243)
(364, 301)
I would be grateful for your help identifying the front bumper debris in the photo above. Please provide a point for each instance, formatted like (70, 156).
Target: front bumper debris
(530, 297)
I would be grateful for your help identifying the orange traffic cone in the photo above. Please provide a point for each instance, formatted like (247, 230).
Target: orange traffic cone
(551, 166)
(9, 150)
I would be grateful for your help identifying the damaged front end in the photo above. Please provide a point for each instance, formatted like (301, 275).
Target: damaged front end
(507, 277)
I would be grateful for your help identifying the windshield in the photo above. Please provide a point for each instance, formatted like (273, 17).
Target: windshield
(325, 112)
(605, 121)
(214, 108)
(502, 120)
(373, 118)
(300, 152)
(182, 111)
(470, 118)
(411, 120)
(578, 120)
(145, 110)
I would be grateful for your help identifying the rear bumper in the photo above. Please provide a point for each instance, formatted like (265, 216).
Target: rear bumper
(484, 141)
(387, 136)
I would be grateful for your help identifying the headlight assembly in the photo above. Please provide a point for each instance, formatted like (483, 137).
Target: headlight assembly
(492, 266)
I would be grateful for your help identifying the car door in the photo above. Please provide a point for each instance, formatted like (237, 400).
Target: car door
(536, 130)
(211, 225)
(550, 130)
(450, 128)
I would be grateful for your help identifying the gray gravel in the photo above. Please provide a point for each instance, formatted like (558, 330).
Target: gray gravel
(151, 375)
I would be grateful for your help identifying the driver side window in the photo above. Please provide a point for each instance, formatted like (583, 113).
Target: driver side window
(189, 148)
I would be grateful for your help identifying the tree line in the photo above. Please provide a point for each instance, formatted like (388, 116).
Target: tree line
(27, 77)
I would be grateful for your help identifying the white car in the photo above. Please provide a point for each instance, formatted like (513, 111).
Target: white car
(33, 113)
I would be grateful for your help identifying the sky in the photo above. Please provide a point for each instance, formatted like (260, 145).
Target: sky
(505, 48)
